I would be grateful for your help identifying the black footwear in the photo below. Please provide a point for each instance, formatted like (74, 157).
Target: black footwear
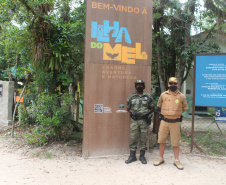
(142, 158)
(132, 157)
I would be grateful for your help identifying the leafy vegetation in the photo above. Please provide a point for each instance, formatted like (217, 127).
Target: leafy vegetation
(46, 39)
(173, 44)
(52, 121)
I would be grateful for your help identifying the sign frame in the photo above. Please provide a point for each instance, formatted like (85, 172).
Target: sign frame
(210, 80)
(194, 95)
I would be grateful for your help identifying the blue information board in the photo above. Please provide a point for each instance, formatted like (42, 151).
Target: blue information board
(210, 81)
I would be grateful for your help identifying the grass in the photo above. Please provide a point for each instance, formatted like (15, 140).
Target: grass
(212, 143)
(185, 137)
(48, 155)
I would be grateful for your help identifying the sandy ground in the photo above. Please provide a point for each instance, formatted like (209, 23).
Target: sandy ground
(62, 164)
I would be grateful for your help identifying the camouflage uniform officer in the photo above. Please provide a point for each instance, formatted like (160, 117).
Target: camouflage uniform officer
(172, 104)
(139, 105)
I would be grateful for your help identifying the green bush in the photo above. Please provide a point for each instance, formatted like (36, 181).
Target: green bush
(25, 115)
(52, 119)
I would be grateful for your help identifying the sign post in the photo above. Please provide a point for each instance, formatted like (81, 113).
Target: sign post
(118, 51)
(209, 84)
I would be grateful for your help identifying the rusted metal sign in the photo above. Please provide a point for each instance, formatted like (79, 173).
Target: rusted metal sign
(117, 52)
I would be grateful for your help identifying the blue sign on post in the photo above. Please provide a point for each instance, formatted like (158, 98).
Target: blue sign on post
(210, 81)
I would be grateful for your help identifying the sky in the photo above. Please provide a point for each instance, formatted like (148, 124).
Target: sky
(193, 32)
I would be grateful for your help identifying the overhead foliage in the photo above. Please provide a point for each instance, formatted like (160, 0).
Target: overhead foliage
(46, 36)
(173, 44)
(216, 16)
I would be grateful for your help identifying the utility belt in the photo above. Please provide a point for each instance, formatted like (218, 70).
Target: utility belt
(136, 117)
(171, 120)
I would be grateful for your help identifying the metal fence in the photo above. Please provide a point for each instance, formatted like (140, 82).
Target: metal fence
(209, 137)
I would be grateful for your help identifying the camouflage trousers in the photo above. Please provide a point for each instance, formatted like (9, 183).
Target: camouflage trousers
(138, 131)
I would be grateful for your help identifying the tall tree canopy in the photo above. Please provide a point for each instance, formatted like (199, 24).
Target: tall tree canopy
(44, 37)
(173, 44)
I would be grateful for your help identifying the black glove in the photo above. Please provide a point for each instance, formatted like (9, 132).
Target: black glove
(149, 118)
(133, 115)
(158, 109)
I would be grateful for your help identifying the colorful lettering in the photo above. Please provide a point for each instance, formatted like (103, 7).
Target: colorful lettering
(101, 32)
(123, 53)
(110, 53)
(117, 8)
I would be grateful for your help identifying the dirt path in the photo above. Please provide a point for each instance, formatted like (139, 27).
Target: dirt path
(59, 164)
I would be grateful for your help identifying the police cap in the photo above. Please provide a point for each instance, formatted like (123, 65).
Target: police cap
(173, 79)
(139, 82)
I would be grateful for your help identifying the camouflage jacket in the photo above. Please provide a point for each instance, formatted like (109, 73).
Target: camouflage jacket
(140, 104)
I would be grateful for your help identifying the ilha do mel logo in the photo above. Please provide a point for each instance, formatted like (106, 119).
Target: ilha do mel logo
(119, 52)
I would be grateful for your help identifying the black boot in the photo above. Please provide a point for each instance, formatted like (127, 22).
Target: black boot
(132, 157)
(142, 158)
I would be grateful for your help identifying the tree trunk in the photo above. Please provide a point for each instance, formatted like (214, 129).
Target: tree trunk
(160, 71)
(21, 94)
(157, 29)
(190, 7)
(72, 97)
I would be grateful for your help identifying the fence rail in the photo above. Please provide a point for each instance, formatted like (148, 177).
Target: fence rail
(209, 136)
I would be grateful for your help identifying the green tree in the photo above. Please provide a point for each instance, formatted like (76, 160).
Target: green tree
(173, 45)
(215, 16)
(50, 40)
(49, 43)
